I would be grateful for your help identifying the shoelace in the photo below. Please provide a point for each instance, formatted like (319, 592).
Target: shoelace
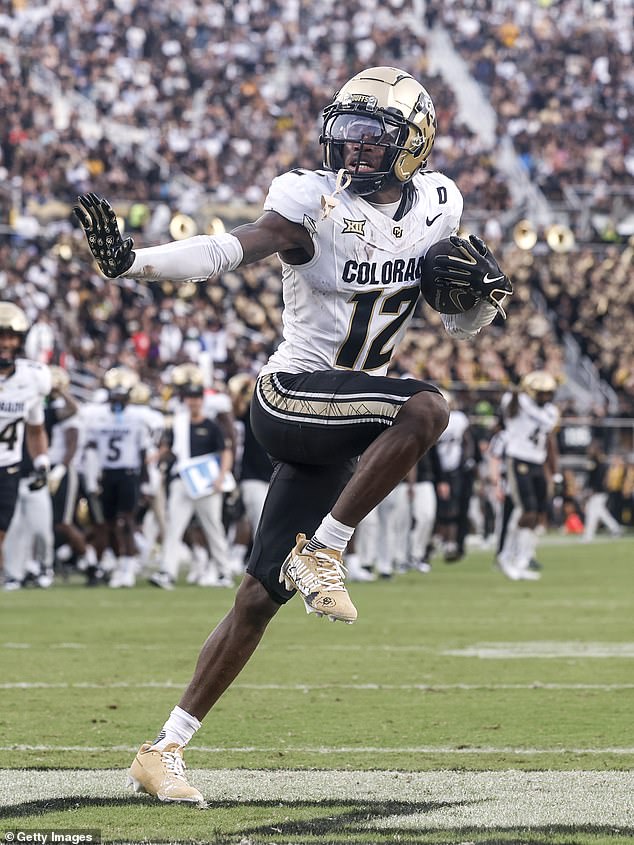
(331, 571)
(174, 763)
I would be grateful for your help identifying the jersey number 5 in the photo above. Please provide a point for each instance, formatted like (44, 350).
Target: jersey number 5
(401, 304)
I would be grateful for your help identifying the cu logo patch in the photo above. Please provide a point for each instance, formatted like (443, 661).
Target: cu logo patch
(353, 227)
(397, 232)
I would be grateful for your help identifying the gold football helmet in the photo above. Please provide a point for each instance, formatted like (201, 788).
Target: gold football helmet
(384, 107)
(60, 380)
(188, 378)
(13, 323)
(187, 374)
(140, 394)
(539, 385)
(13, 319)
(121, 379)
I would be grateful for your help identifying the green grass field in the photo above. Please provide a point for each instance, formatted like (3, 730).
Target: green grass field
(461, 707)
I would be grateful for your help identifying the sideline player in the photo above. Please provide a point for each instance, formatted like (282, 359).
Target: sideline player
(351, 238)
(24, 385)
(117, 440)
(530, 420)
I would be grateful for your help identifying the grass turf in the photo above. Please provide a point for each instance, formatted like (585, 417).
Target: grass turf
(430, 677)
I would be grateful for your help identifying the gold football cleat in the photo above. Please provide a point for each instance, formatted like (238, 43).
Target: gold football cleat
(162, 773)
(318, 577)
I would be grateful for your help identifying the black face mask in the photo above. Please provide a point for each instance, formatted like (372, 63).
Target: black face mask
(363, 130)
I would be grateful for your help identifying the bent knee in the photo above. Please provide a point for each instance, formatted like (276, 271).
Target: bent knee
(253, 602)
(430, 409)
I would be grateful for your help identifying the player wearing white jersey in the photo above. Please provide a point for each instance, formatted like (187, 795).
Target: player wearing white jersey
(117, 439)
(530, 420)
(23, 388)
(62, 425)
(456, 449)
(152, 524)
(351, 238)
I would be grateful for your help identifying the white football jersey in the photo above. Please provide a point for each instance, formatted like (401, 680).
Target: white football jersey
(118, 436)
(154, 421)
(22, 397)
(350, 305)
(450, 442)
(57, 445)
(527, 432)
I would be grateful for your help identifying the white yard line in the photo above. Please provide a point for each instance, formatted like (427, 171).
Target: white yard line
(535, 685)
(439, 800)
(342, 749)
(543, 649)
(486, 650)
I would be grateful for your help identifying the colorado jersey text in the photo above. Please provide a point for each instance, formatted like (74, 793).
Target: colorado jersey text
(349, 306)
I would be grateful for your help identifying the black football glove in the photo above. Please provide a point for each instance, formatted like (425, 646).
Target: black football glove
(476, 266)
(99, 222)
(39, 477)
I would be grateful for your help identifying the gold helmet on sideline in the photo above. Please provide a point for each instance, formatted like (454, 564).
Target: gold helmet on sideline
(140, 394)
(13, 321)
(186, 374)
(386, 107)
(119, 381)
(240, 388)
(539, 385)
(188, 379)
(60, 380)
(122, 378)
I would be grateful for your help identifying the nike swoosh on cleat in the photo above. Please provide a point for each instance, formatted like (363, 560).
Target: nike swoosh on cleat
(487, 280)
(429, 222)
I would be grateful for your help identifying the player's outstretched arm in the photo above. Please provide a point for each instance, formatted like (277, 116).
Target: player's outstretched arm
(193, 259)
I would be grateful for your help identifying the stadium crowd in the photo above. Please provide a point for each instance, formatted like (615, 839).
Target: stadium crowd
(102, 99)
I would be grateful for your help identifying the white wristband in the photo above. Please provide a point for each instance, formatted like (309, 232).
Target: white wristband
(41, 462)
(193, 259)
(470, 322)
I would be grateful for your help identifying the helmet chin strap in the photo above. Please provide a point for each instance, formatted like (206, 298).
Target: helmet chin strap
(344, 180)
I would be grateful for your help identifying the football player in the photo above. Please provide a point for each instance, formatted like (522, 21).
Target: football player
(530, 421)
(201, 465)
(117, 440)
(24, 385)
(457, 456)
(62, 426)
(351, 237)
(29, 542)
(152, 528)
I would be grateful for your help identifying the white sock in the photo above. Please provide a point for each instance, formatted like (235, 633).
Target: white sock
(333, 534)
(509, 550)
(526, 541)
(91, 556)
(128, 565)
(179, 728)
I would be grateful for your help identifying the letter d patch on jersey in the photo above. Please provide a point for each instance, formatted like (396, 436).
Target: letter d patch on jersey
(353, 227)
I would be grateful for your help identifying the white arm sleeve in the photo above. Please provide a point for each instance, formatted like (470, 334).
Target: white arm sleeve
(469, 323)
(193, 259)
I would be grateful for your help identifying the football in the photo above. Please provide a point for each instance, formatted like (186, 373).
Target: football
(445, 295)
